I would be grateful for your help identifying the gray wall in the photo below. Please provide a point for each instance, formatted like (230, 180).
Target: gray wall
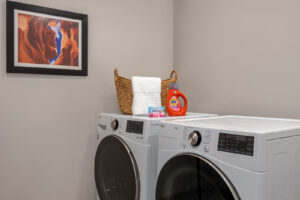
(48, 124)
(239, 57)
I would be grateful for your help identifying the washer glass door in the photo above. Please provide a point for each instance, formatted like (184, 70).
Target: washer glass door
(191, 177)
(116, 171)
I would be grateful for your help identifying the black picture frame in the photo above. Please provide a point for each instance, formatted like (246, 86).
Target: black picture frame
(11, 66)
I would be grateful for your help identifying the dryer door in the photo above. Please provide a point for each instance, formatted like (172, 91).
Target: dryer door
(192, 177)
(116, 171)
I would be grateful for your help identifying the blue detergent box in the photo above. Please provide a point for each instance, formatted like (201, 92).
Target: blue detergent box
(156, 112)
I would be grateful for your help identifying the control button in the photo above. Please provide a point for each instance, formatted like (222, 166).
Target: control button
(114, 124)
(206, 141)
(206, 149)
(195, 138)
(185, 136)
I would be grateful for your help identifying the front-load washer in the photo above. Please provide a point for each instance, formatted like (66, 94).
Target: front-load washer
(229, 158)
(126, 157)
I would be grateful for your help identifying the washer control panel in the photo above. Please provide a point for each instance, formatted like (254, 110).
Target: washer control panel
(238, 144)
(195, 138)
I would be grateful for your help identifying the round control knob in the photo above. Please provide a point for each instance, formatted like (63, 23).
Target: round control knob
(195, 138)
(114, 124)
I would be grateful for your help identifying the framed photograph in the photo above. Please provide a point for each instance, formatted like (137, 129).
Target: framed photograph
(46, 41)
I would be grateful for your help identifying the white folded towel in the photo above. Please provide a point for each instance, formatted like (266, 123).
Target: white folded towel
(146, 93)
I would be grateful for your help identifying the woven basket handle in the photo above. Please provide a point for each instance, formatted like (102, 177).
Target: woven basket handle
(176, 75)
(116, 74)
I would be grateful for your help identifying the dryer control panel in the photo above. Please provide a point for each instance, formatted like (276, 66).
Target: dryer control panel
(134, 127)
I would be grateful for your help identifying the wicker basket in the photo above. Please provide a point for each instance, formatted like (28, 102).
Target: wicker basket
(124, 91)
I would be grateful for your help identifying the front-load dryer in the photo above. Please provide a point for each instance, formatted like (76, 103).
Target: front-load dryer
(126, 157)
(229, 158)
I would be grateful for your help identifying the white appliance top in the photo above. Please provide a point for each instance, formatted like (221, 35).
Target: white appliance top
(242, 123)
(137, 117)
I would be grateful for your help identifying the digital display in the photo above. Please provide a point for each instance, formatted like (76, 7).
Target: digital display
(135, 127)
(238, 144)
(240, 138)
